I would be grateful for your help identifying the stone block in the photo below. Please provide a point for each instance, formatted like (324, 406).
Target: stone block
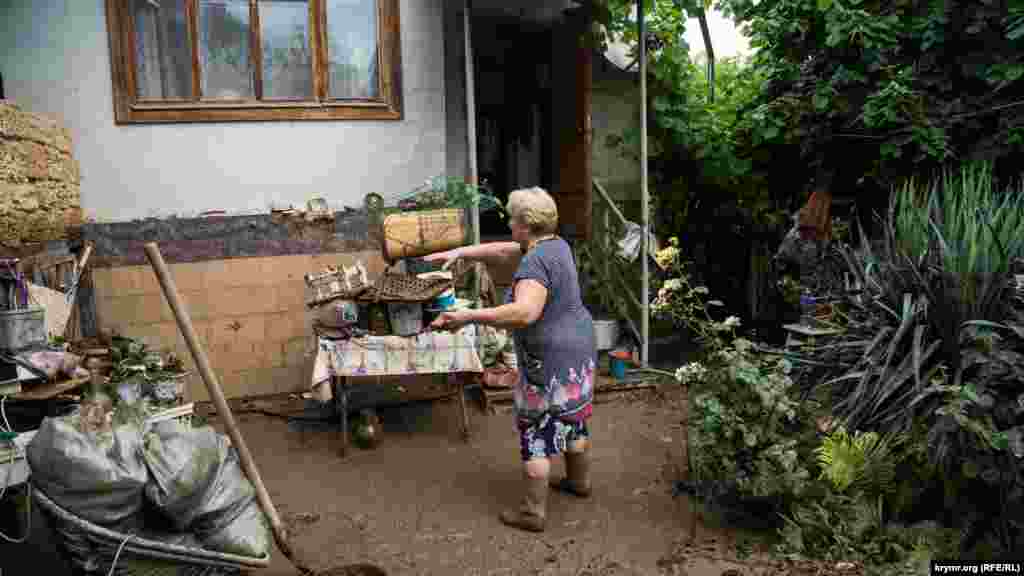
(295, 351)
(235, 330)
(242, 301)
(283, 326)
(244, 272)
(18, 124)
(189, 276)
(290, 296)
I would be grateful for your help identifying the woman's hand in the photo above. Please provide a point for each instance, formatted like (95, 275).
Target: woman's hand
(451, 321)
(448, 257)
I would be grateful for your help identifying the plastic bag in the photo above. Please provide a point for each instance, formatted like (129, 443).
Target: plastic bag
(98, 476)
(233, 522)
(183, 463)
(198, 483)
(629, 246)
(247, 535)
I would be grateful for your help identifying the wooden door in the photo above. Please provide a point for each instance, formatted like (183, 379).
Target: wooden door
(572, 78)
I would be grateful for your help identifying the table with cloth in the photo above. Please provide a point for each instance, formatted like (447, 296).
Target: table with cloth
(340, 363)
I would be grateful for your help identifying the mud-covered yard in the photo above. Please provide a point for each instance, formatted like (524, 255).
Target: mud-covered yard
(424, 502)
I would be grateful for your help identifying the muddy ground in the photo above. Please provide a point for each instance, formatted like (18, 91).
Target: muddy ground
(424, 502)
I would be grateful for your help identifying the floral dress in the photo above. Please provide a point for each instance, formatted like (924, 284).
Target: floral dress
(556, 356)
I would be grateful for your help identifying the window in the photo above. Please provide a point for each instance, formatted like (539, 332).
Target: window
(227, 60)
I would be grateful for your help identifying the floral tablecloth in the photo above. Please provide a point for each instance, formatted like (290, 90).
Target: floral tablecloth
(427, 353)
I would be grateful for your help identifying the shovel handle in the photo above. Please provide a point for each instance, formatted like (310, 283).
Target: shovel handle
(170, 291)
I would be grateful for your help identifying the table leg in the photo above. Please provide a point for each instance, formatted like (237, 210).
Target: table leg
(341, 402)
(460, 392)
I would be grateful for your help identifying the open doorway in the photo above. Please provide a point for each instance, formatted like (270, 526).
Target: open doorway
(512, 61)
(532, 96)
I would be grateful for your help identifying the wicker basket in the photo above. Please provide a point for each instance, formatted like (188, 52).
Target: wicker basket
(411, 234)
(91, 549)
(404, 288)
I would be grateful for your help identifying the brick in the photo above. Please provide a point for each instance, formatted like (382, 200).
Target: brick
(236, 330)
(215, 274)
(161, 336)
(244, 272)
(286, 269)
(295, 351)
(197, 304)
(290, 379)
(189, 276)
(231, 384)
(101, 282)
(129, 310)
(274, 350)
(196, 388)
(290, 296)
(202, 329)
(236, 356)
(122, 280)
(283, 326)
(242, 301)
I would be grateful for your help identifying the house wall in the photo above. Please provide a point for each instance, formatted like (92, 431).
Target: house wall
(39, 194)
(55, 59)
(615, 108)
(249, 314)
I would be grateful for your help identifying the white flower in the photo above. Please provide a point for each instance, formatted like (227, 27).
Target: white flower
(673, 284)
(692, 372)
(732, 322)
(701, 290)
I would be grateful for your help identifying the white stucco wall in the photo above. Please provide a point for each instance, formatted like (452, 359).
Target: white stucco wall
(55, 59)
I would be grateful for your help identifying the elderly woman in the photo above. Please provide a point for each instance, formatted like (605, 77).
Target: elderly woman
(554, 339)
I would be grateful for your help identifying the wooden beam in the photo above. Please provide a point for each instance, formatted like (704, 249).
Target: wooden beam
(192, 11)
(256, 49)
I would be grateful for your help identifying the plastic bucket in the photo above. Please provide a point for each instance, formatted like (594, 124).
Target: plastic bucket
(406, 318)
(618, 368)
(445, 301)
(22, 328)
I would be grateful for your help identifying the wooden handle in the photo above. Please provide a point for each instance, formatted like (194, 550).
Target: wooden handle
(163, 275)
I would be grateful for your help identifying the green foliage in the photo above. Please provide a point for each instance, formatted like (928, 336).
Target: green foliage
(861, 462)
(450, 192)
(934, 347)
(857, 87)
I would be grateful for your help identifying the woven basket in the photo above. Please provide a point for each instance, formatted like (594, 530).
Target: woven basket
(404, 288)
(411, 234)
(90, 549)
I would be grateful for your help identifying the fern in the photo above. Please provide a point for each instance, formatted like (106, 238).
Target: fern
(863, 461)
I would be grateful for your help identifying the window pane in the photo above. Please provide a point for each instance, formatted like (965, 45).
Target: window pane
(163, 54)
(287, 58)
(352, 48)
(225, 63)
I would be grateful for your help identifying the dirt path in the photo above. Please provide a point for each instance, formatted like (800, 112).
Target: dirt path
(426, 503)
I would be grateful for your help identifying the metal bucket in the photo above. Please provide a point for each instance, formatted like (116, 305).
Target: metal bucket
(606, 334)
(22, 328)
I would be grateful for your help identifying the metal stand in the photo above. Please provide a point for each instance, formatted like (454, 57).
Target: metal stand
(341, 388)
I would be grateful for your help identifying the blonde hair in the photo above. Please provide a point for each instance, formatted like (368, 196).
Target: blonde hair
(534, 208)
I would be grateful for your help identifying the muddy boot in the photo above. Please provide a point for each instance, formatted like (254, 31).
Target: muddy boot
(577, 478)
(532, 512)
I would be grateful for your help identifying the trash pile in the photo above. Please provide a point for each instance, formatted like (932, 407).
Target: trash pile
(165, 480)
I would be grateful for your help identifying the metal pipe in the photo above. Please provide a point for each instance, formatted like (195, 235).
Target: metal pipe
(471, 137)
(644, 200)
(471, 115)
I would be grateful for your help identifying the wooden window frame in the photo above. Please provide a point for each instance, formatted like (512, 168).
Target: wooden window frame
(388, 106)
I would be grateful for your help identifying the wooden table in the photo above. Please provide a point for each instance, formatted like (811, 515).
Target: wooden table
(48, 390)
(373, 358)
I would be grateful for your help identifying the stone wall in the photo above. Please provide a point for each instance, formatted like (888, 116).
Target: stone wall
(39, 179)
